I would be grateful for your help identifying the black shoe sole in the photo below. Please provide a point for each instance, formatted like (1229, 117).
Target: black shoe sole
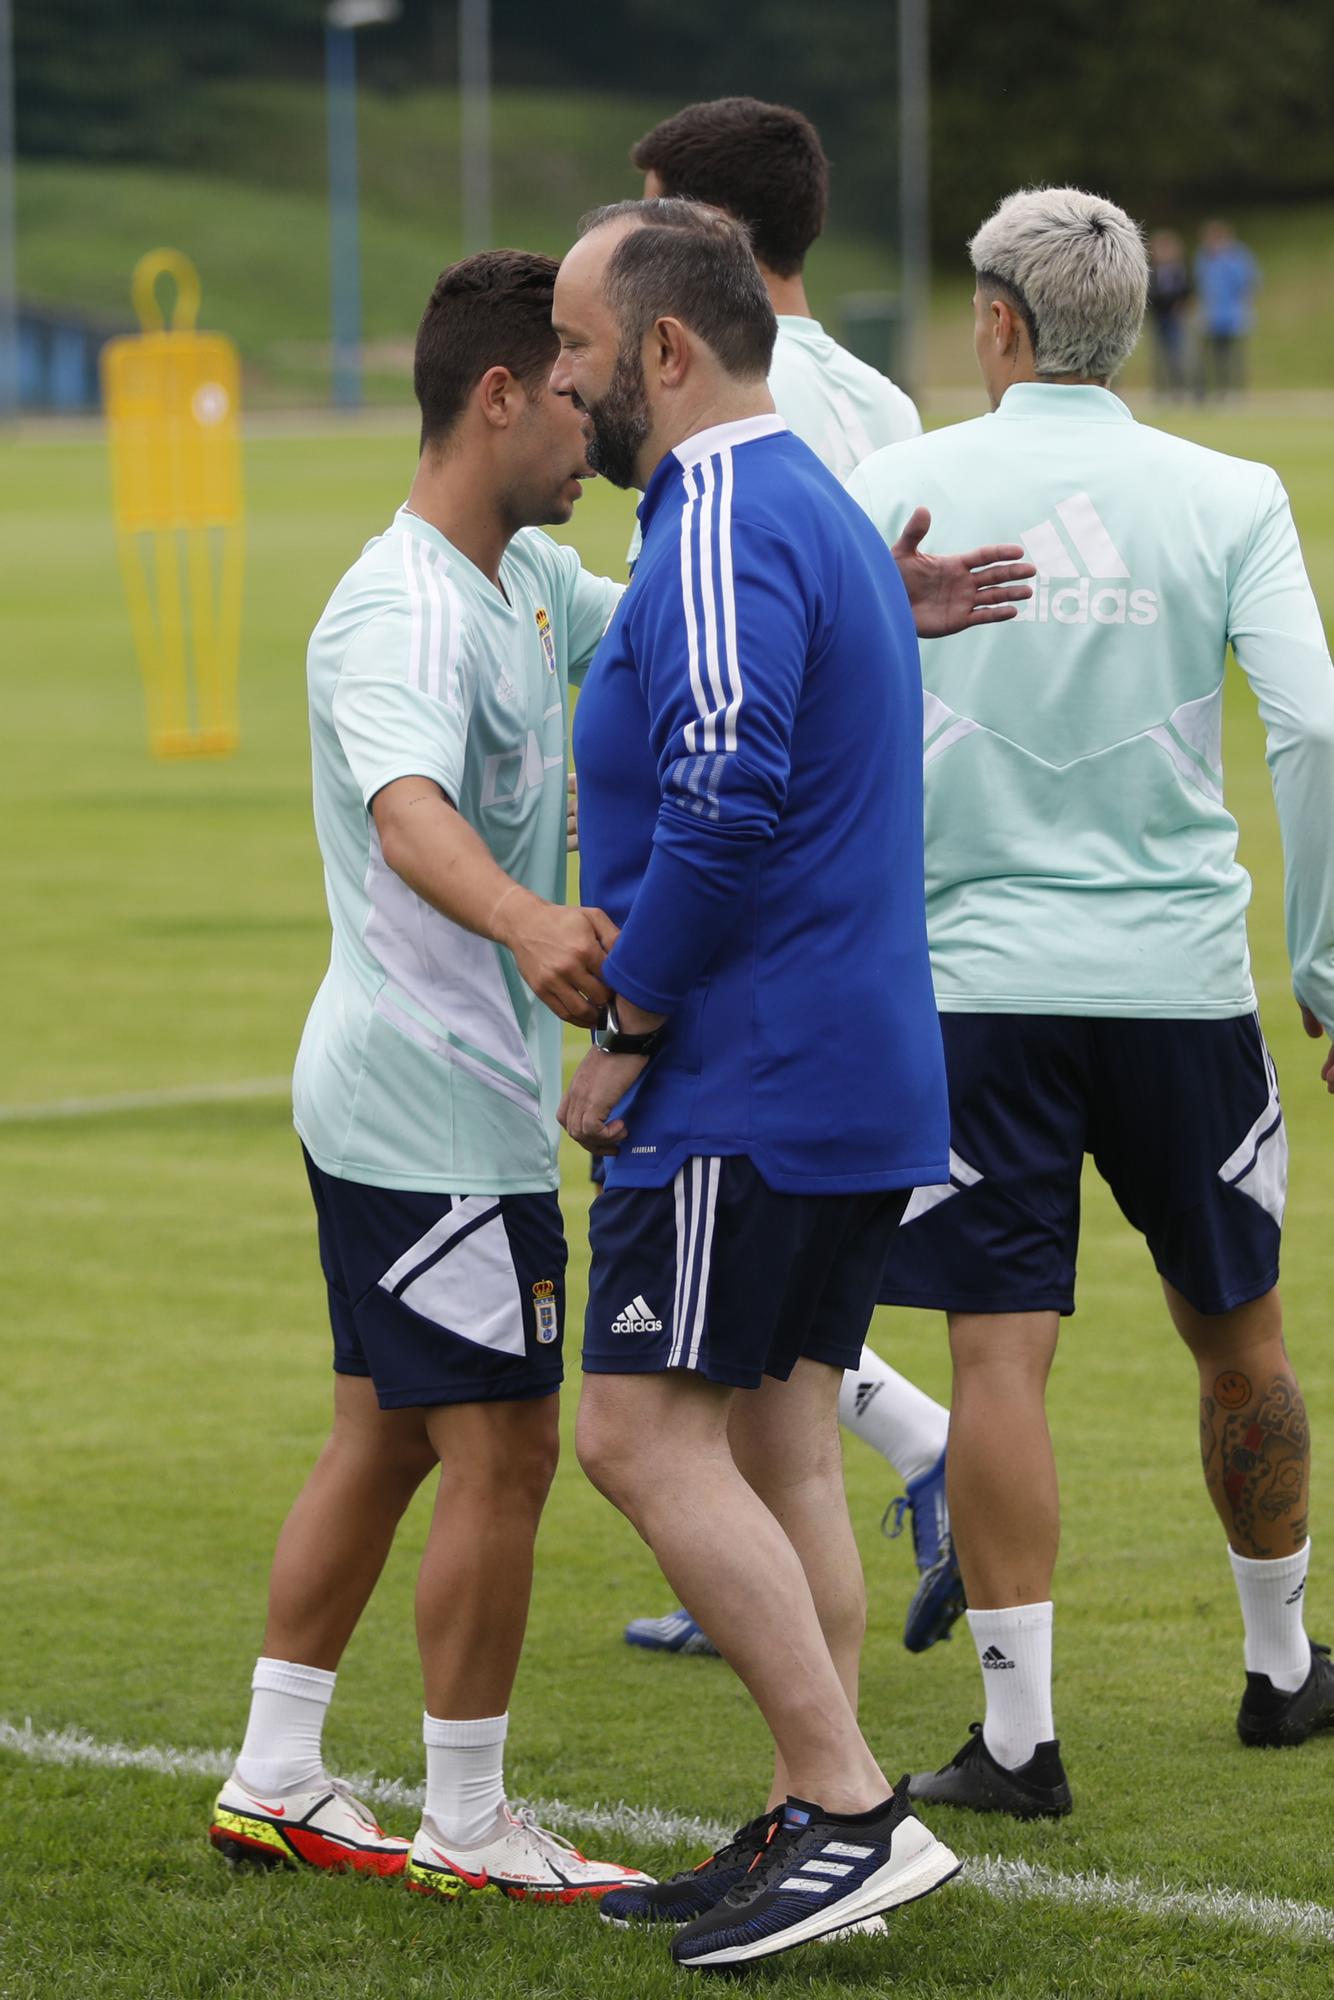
(237, 1855)
(1025, 1810)
(1285, 1734)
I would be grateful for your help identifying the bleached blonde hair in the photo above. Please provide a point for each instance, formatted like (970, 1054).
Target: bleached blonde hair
(1075, 266)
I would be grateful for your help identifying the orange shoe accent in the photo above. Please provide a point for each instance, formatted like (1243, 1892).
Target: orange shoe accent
(317, 1851)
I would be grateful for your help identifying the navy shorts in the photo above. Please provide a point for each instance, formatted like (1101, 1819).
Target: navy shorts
(720, 1274)
(442, 1298)
(1184, 1124)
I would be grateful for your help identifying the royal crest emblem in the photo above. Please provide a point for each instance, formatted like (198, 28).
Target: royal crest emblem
(547, 636)
(544, 1311)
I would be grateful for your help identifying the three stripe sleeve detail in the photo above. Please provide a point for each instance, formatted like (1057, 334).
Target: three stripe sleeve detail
(708, 594)
(436, 623)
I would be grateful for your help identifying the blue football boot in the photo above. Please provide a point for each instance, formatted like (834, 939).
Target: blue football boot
(939, 1599)
(676, 1633)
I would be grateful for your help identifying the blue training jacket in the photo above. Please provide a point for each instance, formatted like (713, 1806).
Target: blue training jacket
(749, 750)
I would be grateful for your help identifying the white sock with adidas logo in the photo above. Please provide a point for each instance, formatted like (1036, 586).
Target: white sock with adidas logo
(1272, 1596)
(893, 1416)
(1014, 1653)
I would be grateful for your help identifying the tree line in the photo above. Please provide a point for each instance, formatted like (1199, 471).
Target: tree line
(1169, 107)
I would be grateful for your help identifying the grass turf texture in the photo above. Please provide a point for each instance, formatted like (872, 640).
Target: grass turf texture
(167, 1378)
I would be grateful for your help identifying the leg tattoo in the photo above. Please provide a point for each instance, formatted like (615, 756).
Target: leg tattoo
(1255, 1443)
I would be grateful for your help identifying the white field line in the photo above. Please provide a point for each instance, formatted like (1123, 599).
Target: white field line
(247, 1090)
(1009, 1880)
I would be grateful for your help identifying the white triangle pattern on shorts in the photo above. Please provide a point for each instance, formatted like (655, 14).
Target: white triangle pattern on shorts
(1259, 1166)
(473, 1288)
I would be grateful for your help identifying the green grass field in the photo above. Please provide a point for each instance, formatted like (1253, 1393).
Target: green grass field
(167, 1378)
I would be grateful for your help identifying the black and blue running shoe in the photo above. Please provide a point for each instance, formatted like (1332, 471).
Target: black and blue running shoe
(695, 1890)
(818, 1874)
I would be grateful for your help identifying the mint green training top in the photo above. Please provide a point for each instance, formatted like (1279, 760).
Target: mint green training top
(426, 1061)
(1079, 856)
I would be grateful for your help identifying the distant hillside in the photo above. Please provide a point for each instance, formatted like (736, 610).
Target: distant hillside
(256, 223)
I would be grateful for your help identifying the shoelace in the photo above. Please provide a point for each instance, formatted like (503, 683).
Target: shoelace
(898, 1508)
(969, 1751)
(741, 1847)
(349, 1797)
(542, 1837)
(769, 1864)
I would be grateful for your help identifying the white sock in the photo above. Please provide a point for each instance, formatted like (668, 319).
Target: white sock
(1014, 1652)
(283, 1751)
(1272, 1596)
(465, 1776)
(893, 1416)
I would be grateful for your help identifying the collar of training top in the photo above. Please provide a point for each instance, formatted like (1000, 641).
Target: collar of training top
(1077, 402)
(719, 436)
(694, 450)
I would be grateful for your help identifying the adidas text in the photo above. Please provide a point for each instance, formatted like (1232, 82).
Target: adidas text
(994, 1661)
(1081, 604)
(1082, 576)
(637, 1317)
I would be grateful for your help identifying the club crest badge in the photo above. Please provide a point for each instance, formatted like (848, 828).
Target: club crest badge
(544, 1311)
(548, 638)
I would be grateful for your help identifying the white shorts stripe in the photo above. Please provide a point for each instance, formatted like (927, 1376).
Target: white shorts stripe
(473, 1291)
(712, 1171)
(688, 1191)
(458, 1216)
(687, 1214)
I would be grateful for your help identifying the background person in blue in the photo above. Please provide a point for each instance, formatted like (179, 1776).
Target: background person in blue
(748, 749)
(1226, 279)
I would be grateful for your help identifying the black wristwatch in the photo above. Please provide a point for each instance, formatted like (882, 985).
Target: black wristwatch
(614, 1040)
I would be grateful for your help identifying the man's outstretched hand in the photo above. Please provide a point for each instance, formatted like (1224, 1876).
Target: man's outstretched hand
(954, 593)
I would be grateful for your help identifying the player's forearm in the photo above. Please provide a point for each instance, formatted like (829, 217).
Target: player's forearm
(1304, 794)
(447, 863)
(682, 916)
(1293, 679)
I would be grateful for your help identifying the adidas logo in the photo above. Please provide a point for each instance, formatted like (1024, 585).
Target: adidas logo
(866, 1395)
(636, 1318)
(994, 1661)
(1081, 589)
(1297, 1593)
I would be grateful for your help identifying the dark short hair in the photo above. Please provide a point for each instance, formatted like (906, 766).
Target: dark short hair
(763, 163)
(691, 263)
(489, 311)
